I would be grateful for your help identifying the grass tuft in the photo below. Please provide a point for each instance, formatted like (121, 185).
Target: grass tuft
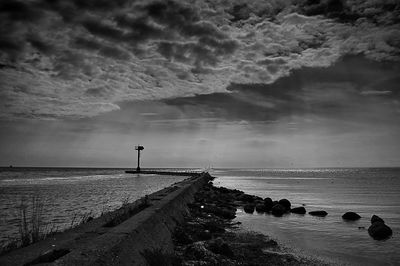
(31, 221)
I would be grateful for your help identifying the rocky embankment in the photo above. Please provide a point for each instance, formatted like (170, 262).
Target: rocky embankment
(208, 236)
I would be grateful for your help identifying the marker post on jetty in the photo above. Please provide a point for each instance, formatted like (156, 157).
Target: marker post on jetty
(158, 172)
(138, 148)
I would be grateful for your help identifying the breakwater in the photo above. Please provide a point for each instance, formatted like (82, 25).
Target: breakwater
(119, 237)
(148, 172)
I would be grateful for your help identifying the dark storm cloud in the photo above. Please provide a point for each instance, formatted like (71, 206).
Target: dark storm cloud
(104, 5)
(115, 53)
(382, 12)
(105, 50)
(330, 8)
(350, 86)
(211, 42)
(222, 47)
(187, 52)
(68, 63)
(100, 29)
(243, 10)
(71, 11)
(98, 92)
(172, 13)
(148, 50)
(10, 47)
(178, 18)
(41, 45)
(89, 44)
(141, 30)
(20, 11)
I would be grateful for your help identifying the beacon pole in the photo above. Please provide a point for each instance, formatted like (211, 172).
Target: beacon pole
(138, 148)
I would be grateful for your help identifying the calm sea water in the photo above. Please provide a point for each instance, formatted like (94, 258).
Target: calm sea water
(70, 192)
(366, 191)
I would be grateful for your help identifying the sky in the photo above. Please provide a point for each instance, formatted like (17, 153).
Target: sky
(198, 83)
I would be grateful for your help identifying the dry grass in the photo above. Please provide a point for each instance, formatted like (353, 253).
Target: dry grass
(32, 227)
(31, 221)
(125, 201)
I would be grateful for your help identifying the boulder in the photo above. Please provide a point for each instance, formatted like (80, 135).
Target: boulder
(278, 210)
(246, 198)
(351, 216)
(258, 199)
(376, 218)
(379, 230)
(227, 213)
(268, 204)
(318, 213)
(261, 207)
(249, 208)
(298, 210)
(285, 203)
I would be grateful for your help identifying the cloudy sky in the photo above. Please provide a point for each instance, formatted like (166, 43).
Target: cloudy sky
(227, 83)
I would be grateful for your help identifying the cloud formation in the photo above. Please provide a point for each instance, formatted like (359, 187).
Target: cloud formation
(81, 58)
(352, 89)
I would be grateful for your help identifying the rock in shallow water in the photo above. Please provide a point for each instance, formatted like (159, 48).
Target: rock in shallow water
(249, 208)
(285, 203)
(376, 218)
(246, 198)
(379, 231)
(318, 213)
(261, 208)
(268, 204)
(351, 216)
(278, 210)
(226, 213)
(298, 210)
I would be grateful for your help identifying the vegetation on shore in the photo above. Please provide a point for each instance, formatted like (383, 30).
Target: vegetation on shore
(32, 227)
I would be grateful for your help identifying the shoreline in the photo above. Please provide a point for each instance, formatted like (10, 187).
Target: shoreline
(188, 223)
(118, 237)
(209, 236)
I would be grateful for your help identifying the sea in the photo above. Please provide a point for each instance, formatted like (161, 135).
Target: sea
(366, 191)
(70, 194)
